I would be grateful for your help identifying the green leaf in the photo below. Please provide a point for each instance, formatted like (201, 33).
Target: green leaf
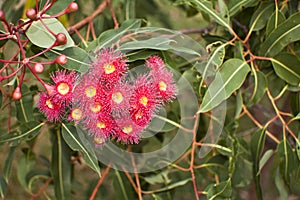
(275, 19)
(217, 52)
(286, 33)
(3, 187)
(58, 7)
(281, 187)
(230, 78)
(107, 38)
(171, 186)
(220, 191)
(8, 163)
(26, 163)
(152, 43)
(260, 86)
(71, 137)
(129, 9)
(286, 66)
(61, 168)
(206, 6)
(261, 16)
(78, 59)
(161, 177)
(40, 36)
(265, 158)
(298, 146)
(234, 6)
(27, 131)
(239, 105)
(257, 145)
(34, 175)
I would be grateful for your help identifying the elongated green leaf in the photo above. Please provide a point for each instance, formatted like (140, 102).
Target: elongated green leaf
(107, 38)
(265, 158)
(24, 106)
(275, 20)
(27, 131)
(58, 7)
(239, 104)
(286, 33)
(230, 78)
(26, 163)
(234, 6)
(71, 137)
(287, 68)
(3, 187)
(261, 16)
(41, 37)
(129, 9)
(281, 186)
(222, 190)
(260, 85)
(206, 6)
(34, 175)
(171, 186)
(61, 167)
(78, 59)
(152, 43)
(8, 163)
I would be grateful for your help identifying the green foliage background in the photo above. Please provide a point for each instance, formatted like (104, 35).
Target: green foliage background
(258, 153)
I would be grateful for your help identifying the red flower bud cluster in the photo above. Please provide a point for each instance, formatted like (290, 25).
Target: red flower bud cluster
(106, 103)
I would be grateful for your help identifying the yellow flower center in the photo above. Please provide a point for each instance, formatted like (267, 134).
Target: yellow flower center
(95, 107)
(101, 125)
(109, 68)
(162, 86)
(98, 140)
(90, 91)
(127, 129)
(76, 114)
(63, 88)
(144, 100)
(117, 97)
(49, 104)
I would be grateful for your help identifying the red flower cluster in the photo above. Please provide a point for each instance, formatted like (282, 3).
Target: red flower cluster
(107, 104)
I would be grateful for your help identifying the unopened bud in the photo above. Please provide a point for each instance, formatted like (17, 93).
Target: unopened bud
(61, 39)
(38, 68)
(61, 59)
(17, 95)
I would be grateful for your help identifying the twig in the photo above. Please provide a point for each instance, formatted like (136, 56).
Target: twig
(45, 186)
(88, 19)
(101, 179)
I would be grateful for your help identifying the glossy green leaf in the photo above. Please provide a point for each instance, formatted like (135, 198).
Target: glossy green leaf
(235, 6)
(152, 43)
(61, 168)
(58, 7)
(40, 36)
(217, 53)
(239, 105)
(261, 16)
(206, 6)
(26, 163)
(286, 33)
(260, 86)
(257, 145)
(274, 21)
(78, 59)
(230, 78)
(71, 137)
(287, 68)
(222, 190)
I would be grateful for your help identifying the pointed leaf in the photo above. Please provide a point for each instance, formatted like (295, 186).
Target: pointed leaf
(71, 137)
(286, 33)
(61, 167)
(25, 164)
(230, 78)
(261, 15)
(8, 163)
(3, 187)
(265, 158)
(260, 85)
(41, 37)
(287, 68)
(222, 190)
(206, 6)
(235, 6)
(275, 20)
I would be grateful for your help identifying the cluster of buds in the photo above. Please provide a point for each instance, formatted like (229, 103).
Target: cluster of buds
(106, 102)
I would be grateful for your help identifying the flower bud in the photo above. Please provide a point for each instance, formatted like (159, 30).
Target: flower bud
(17, 94)
(38, 68)
(2, 15)
(61, 59)
(72, 7)
(61, 39)
(31, 13)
